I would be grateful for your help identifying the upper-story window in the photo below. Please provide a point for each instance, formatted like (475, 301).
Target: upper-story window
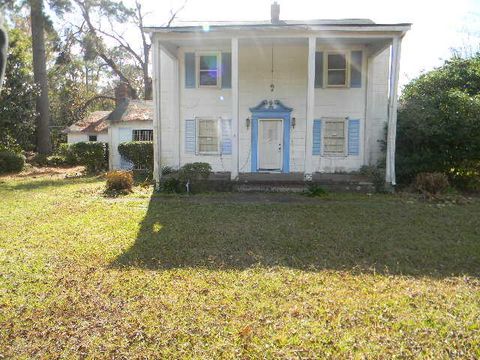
(208, 69)
(337, 69)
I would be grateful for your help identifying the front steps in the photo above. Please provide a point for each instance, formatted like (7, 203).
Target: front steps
(292, 182)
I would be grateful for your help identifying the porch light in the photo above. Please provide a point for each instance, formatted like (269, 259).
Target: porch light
(247, 122)
(294, 122)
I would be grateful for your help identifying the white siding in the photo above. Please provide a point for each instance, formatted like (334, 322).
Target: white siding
(73, 138)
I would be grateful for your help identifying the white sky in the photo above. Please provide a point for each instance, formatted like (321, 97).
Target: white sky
(438, 25)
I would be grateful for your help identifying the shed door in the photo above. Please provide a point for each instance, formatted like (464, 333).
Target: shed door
(125, 135)
(270, 144)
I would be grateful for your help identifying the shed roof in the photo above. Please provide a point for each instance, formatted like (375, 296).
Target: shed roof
(92, 123)
(132, 110)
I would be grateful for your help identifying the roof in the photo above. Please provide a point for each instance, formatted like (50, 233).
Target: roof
(238, 25)
(92, 123)
(132, 110)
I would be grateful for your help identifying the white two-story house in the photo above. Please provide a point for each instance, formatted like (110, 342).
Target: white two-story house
(279, 96)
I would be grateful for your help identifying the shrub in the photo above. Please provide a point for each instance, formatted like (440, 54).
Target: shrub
(376, 175)
(192, 172)
(171, 185)
(119, 181)
(314, 190)
(39, 159)
(56, 160)
(66, 151)
(439, 122)
(11, 162)
(431, 183)
(93, 155)
(140, 153)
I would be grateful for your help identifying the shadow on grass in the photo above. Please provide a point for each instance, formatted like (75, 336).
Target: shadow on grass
(360, 235)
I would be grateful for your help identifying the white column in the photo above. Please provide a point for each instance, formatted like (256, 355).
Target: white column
(235, 121)
(392, 110)
(157, 169)
(176, 110)
(312, 44)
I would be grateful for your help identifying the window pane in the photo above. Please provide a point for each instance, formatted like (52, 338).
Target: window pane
(208, 77)
(207, 136)
(337, 61)
(337, 77)
(208, 62)
(334, 139)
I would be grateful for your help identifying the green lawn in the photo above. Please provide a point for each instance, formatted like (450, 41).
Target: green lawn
(234, 276)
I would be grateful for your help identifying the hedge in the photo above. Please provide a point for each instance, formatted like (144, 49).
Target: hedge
(11, 162)
(140, 153)
(93, 155)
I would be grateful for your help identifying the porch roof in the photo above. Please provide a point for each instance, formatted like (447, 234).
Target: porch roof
(306, 25)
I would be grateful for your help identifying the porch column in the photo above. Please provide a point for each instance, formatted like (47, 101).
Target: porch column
(235, 121)
(392, 110)
(157, 169)
(312, 44)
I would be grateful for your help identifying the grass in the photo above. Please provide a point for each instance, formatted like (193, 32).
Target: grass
(234, 276)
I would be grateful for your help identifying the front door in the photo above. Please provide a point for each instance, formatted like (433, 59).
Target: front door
(270, 144)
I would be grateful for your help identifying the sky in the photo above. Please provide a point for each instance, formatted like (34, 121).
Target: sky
(438, 25)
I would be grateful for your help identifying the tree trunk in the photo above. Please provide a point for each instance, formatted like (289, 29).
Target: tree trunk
(44, 144)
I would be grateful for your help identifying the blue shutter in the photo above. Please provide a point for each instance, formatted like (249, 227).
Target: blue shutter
(190, 136)
(317, 137)
(226, 70)
(319, 69)
(226, 137)
(356, 69)
(190, 70)
(353, 137)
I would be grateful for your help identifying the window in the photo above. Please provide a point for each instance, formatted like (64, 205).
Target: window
(142, 135)
(208, 70)
(207, 136)
(92, 137)
(334, 137)
(337, 69)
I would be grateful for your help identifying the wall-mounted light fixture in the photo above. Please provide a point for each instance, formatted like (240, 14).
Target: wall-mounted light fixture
(247, 122)
(294, 122)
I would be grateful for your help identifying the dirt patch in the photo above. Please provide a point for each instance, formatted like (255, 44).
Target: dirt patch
(51, 172)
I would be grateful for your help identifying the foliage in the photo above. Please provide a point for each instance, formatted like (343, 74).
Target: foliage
(314, 190)
(140, 153)
(11, 162)
(431, 183)
(119, 181)
(17, 98)
(66, 151)
(91, 154)
(39, 159)
(171, 184)
(376, 174)
(56, 160)
(352, 277)
(192, 172)
(8, 143)
(167, 170)
(439, 123)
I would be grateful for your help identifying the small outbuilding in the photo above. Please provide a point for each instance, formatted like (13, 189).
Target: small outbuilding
(92, 127)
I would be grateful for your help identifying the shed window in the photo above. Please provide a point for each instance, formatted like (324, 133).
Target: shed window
(92, 137)
(208, 70)
(337, 69)
(334, 137)
(208, 139)
(142, 135)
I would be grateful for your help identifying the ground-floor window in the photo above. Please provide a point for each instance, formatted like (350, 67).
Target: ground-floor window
(92, 137)
(142, 135)
(334, 137)
(208, 137)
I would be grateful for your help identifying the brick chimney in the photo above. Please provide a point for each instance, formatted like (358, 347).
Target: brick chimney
(121, 93)
(275, 13)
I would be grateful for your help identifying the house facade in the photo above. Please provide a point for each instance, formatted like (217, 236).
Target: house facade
(278, 96)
